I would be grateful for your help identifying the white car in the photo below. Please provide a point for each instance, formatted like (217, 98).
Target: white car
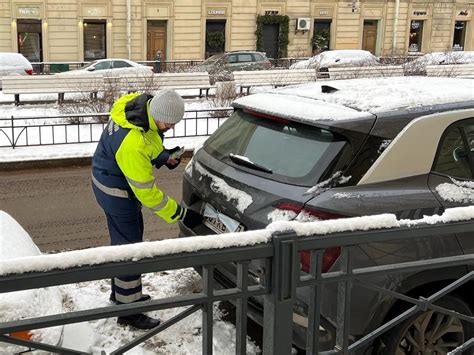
(111, 67)
(338, 58)
(16, 243)
(439, 58)
(14, 64)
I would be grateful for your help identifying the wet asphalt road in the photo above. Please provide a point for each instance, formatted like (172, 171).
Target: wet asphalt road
(57, 208)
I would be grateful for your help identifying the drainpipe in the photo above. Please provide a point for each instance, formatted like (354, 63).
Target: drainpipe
(129, 28)
(395, 26)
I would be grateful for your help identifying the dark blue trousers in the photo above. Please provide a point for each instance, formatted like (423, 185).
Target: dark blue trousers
(125, 224)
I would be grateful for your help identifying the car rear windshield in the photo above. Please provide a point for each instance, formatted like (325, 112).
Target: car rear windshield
(213, 59)
(295, 153)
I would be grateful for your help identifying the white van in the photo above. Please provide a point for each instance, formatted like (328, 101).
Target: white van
(14, 64)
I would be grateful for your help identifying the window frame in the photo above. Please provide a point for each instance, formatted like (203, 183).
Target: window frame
(244, 55)
(103, 24)
(420, 41)
(459, 125)
(127, 65)
(462, 35)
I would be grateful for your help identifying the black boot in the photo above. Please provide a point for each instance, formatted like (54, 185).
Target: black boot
(139, 321)
(143, 299)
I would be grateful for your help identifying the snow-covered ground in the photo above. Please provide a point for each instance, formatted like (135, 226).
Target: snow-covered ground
(31, 107)
(184, 337)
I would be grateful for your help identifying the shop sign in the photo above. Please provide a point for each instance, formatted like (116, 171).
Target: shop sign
(420, 13)
(272, 12)
(323, 12)
(216, 12)
(94, 11)
(28, 12)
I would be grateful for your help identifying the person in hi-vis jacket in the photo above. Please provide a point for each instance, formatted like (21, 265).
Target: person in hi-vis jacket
(123, 181)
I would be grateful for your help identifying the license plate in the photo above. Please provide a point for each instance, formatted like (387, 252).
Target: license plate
(219, 222)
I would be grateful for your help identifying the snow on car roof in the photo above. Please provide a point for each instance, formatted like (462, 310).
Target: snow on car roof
(358, 98)
(297, 107)
(454, 57)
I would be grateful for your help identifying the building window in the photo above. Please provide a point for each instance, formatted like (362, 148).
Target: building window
(416, 34)
(459, 35)
(94, 40)
(321, 36)
(30, 40)
(215, 37)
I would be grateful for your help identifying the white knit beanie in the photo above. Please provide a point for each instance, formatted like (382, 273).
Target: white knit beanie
(167, 106)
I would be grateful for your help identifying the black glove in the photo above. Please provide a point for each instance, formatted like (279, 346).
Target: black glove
(191, 218)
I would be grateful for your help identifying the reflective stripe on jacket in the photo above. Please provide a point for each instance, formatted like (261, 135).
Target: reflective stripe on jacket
(124, 155)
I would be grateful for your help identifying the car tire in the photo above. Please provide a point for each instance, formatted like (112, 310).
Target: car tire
(406, 338)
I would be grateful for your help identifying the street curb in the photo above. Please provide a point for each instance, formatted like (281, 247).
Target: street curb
(57, 163)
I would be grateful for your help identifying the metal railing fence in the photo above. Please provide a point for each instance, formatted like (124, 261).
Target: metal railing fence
(280, 278)
(27, 131)
(46, 68)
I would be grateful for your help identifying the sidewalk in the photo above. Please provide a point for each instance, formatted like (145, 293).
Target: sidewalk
(71, 154)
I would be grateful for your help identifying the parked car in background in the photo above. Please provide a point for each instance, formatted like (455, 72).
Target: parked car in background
(14, 64)
(338, 58)
(108, 67)
(418, 65)
(16, 243)
(337, 149)
(221, 66)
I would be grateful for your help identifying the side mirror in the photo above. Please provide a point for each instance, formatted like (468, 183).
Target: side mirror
(90, 69)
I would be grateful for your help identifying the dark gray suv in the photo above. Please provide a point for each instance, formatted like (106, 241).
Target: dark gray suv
(349, 148)
(221, 66)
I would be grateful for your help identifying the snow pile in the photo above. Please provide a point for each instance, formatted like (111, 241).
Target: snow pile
(14, 240)
(218, 185)
(184, 337)
(133, 252)
(437, 58)
(358, 98)
(340, 225)
(458, 191)
(338, 58)
(456, 214)
(294, 105)
(370, 94)
(16, 243)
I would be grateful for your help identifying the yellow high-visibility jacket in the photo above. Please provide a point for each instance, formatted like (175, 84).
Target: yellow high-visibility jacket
(126, 153)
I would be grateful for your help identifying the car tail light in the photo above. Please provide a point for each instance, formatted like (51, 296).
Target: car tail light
(330, 255)
(269, 117)
(29, 71)
(24, 334)
(267, 64)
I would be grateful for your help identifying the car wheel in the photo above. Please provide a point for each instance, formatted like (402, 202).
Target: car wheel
(429, 333)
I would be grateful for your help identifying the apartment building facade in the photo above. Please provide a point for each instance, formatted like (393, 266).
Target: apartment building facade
(84, 30)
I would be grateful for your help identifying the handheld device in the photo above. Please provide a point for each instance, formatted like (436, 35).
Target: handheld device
(177, 154)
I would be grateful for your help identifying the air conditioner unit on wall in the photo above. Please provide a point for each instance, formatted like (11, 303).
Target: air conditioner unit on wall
(303, 24)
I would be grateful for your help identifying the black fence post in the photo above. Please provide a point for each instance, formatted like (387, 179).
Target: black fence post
(13, 132)
(278, 305)
(344, 290)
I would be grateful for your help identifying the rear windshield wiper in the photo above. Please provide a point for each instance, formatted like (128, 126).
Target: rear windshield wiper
(238, 159)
